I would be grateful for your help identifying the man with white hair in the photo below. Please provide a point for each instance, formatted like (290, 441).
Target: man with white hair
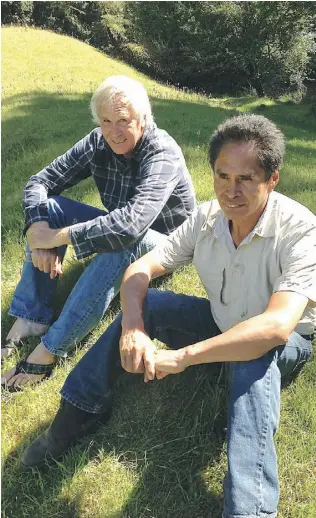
(144, 184)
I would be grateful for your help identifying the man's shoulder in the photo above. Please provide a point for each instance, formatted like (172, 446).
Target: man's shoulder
(156, 140)
(96, 138)
(290, 212)
(206, 213)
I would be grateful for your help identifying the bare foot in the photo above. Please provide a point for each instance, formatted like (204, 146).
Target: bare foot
(22, 329)
(40, 355)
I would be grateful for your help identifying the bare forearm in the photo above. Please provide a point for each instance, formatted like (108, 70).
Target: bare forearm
(134, 288)
(245, 341)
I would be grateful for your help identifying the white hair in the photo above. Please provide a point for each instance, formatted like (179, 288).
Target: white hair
(131, 92)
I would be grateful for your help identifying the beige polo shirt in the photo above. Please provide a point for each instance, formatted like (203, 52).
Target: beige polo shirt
(278, 255)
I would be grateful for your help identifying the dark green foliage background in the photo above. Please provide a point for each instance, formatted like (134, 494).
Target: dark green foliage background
(267, 48)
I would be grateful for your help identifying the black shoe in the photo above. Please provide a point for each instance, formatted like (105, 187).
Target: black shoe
(69, 425)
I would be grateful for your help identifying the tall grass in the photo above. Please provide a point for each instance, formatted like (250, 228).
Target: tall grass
(163, 453)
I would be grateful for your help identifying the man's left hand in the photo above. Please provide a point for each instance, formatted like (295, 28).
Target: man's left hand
(169, 362)
(47, 238)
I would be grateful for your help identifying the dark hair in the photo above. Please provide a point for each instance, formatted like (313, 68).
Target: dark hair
(267, 138)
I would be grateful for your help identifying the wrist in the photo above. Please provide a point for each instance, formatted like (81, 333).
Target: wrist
(63, 236)
(132, 322)
(188, 356)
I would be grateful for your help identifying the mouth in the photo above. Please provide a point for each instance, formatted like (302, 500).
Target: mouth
(118, 143)
(234, 205)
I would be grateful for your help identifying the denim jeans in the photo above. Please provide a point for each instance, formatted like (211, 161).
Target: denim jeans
(97, 286)
(251, 485)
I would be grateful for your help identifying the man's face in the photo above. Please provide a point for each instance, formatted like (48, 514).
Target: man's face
(120, 127)
(239, 183)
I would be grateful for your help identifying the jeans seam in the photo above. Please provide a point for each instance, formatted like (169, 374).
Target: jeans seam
(16, 314)
(96, 300)
(59, 352)
(264, 432)
(82, 406)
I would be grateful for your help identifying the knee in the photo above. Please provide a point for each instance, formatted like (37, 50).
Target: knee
(53, 202)
(55, 211)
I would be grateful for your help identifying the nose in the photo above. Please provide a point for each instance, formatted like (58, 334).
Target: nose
(232, 190)
(116, 130)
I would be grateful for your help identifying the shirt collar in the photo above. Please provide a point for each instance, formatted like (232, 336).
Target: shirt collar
(141, 144)
(265, 227)
(143, 141)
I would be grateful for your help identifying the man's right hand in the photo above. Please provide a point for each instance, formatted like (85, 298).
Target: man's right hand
(47, 261)
(137, 353)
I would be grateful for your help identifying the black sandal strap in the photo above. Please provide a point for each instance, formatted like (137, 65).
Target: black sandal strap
(33, 368)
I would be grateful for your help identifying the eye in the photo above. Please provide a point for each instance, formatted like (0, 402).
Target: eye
(246, 178)
(106, 121)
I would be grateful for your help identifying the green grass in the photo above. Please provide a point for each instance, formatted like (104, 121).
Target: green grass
(163, 454)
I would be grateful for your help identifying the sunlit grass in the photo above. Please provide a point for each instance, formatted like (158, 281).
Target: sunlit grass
(163, 456)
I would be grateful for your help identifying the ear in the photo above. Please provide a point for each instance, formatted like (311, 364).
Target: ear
(273, 181)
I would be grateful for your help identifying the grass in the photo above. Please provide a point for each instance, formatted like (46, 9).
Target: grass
(163, 454)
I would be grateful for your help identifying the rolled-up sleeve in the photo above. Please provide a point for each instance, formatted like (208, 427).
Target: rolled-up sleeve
(159, 172)
(298, 262)
(64, 172)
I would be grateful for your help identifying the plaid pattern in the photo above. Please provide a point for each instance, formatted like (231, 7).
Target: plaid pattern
(152, 189)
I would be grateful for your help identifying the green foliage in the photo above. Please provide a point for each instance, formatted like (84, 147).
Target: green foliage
(214, 47)
(99, 23)
(225, 46)
(163, 453)
(16, 13)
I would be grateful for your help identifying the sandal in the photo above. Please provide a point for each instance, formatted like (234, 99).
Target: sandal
(25, 367)
(10, 345)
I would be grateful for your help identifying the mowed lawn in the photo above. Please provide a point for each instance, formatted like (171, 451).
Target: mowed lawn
(163, 453)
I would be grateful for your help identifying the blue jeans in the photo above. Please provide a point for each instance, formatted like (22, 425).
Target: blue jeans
(251, 484)
(97, 286)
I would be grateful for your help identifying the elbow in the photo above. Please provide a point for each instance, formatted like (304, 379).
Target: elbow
(281, 334)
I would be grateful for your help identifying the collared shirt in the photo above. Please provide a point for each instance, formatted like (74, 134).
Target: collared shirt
(152, 189)
(279, 254)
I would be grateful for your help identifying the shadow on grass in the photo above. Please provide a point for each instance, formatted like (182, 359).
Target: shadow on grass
(40, 126)
(165, 432)
(169, 434)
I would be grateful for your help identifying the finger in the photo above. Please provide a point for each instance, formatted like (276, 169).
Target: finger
(137, 360)
(128, 363)
(40, 261)
(122, 353)
(35, 259)
(59, 266)
(149, 363)
(47, 264)
(53, 267)
(160, 375)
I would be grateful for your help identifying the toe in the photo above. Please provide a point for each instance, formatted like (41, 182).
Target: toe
(7, 376)
(13, 380)
(27, 379)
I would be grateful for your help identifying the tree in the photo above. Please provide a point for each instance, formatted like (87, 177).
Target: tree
(225, 46)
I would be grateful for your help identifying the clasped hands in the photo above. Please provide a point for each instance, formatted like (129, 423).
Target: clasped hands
(43, 242)
(139, 355)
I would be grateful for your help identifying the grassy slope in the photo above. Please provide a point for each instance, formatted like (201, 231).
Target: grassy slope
(163, 455)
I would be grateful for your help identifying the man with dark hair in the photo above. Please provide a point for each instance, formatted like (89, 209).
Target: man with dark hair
(254, 250)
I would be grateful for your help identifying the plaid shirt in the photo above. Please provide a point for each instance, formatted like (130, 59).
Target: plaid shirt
(152, 189)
